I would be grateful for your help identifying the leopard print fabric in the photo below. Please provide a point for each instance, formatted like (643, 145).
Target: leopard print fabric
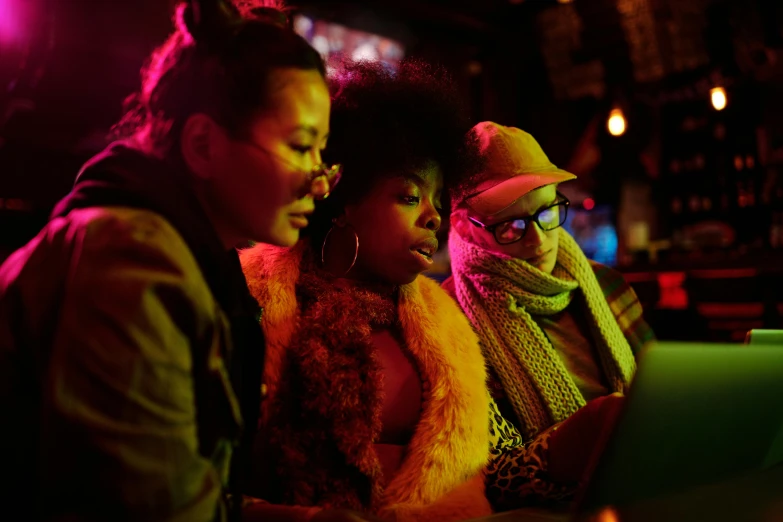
(516, 475)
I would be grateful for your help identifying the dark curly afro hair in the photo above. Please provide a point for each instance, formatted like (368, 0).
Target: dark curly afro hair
(387, 123)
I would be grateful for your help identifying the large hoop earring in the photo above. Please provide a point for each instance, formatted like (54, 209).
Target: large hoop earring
(356, 248)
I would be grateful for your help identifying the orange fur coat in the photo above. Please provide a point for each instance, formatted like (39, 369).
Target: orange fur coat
(321, 413)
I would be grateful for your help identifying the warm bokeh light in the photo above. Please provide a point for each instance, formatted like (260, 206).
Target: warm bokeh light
(608, 515)
(616, 123)
(588, 204)
(718, 98)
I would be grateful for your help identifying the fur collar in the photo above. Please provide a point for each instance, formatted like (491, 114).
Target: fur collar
(322, 419)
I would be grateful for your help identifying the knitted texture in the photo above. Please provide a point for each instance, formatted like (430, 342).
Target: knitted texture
(500, 295)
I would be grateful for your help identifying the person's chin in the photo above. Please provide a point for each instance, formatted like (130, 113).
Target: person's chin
(545, 263)
(407, 277)
(290, 237)
(399, 276)
(283, 237)
(548, 265)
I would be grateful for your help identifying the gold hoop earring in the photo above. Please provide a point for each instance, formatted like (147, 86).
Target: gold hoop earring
(356, 247)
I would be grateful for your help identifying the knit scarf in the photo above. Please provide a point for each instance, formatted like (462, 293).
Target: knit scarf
(501, 295)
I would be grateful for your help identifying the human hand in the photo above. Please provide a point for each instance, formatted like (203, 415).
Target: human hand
(573, 445)
(342, 515)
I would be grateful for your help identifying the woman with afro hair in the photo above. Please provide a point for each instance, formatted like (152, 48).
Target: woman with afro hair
(375, 386)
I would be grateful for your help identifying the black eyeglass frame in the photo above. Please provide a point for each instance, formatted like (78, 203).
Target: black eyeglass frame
(562, 201)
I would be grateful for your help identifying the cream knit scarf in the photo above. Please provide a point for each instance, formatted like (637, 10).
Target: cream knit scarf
(501, 294)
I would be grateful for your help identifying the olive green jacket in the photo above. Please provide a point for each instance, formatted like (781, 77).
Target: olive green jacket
(109, 337)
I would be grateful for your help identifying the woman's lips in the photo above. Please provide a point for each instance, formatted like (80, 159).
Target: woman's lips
(423, 258)
(424, 250)
(298, 220)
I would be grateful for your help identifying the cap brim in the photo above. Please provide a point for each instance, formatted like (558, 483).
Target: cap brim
(504, 194)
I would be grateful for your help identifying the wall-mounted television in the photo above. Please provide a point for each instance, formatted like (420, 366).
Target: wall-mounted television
(595, 232)
(338, 43)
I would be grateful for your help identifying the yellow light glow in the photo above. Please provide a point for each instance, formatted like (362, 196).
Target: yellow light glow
(608, 515)
(616, 123)
(718, 97)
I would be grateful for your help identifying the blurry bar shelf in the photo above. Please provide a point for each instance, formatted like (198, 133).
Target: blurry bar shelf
(712, 296)
(712, 264)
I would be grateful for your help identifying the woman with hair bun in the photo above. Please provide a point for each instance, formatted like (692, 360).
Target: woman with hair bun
(130, 352)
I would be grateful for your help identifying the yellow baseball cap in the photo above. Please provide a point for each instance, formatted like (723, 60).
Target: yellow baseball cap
(514, 165)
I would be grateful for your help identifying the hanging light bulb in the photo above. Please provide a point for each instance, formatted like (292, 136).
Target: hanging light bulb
(718, 98)
(616, 122)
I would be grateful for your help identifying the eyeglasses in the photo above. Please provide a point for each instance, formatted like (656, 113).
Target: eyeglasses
(512, 230)
(331, 175)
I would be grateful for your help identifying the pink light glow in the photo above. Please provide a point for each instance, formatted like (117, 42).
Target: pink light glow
(10, 20)
(6, 19)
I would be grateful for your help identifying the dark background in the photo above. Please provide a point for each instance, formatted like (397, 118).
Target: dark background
(704, 187)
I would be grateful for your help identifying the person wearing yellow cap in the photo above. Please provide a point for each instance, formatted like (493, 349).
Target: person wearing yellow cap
(559, 331)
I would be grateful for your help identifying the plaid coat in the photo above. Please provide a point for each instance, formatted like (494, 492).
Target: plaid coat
(622, 301)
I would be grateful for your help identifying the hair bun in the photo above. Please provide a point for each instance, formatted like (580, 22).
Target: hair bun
(273, 12)
(208, 22)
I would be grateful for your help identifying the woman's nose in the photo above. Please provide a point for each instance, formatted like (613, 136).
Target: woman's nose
(435, 222)
(317, 157)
